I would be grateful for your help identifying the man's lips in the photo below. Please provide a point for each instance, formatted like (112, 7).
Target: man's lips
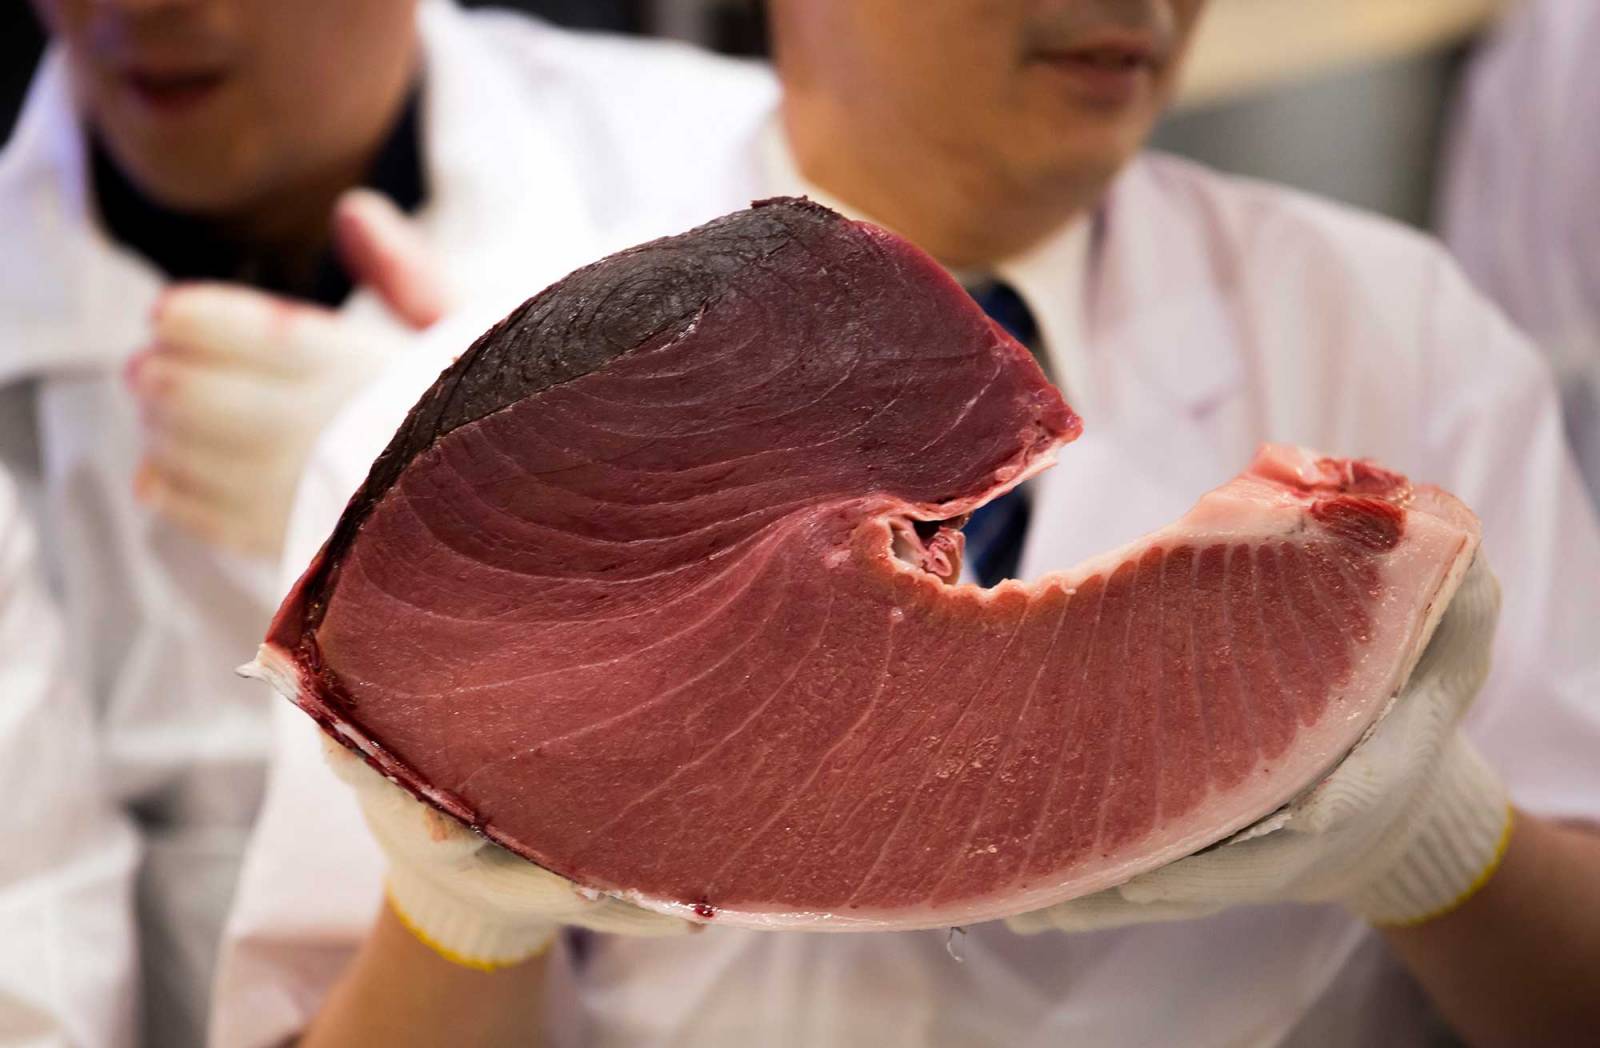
(1101, 58)
(172, 91)
(1109, 72)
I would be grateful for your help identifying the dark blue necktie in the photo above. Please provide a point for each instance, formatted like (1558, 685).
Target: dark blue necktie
(995, 531)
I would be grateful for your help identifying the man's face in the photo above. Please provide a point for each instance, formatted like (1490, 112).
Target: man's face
(1031, 93)
(216, 105)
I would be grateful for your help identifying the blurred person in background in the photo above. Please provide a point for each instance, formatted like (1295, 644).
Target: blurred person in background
(1518, 195)
(1188, 316)
(66, 868)
(191, 282)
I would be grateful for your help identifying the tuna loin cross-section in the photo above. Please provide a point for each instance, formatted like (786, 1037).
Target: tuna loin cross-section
(653, 587)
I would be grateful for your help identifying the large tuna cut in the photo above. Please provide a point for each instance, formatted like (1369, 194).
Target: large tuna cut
(653, 587)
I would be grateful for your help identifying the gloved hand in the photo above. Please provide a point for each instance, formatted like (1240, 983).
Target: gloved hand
(237, 384)
(469, 899)
(1404, 829)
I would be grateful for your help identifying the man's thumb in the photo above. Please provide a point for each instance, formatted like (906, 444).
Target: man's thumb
(382, 251)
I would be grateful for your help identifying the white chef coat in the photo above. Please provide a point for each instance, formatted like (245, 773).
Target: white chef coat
(523, 132)
(1519, 186)
(1215, 314)
(66, 913)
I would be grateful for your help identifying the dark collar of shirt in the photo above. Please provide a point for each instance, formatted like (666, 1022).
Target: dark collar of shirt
(186, 247)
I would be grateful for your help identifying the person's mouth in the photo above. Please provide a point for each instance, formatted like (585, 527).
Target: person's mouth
(1110, 70)
(172, 90)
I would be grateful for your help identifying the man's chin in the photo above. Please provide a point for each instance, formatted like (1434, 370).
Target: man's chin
(1077, 180)
(196, 182)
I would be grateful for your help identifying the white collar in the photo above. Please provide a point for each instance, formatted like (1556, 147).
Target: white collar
(1161, 304)
(69, 296)
(1053, 279)
(489, 151)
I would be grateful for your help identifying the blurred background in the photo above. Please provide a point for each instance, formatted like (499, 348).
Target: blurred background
(1346, 98)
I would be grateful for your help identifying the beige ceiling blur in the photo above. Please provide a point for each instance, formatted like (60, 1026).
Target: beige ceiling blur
(1246, 45)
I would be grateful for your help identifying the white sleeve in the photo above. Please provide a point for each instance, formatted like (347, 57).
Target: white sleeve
(312, 879)
(1493, 429)
(66, 868)
(1517, 195)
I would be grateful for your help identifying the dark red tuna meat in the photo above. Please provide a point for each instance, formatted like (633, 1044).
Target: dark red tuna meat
(652, 588)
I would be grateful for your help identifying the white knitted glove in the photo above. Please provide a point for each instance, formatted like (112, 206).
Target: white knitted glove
(1407, 827)
(468, 898)
(236, 384)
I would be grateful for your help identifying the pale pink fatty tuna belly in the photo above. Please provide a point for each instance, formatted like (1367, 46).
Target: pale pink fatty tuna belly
(640, 591)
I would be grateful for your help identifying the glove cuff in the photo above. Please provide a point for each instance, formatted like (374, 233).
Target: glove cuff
(1456, 845)
(459, 932)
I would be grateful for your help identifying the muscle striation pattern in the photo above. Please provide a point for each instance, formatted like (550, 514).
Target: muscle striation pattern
(653, 588)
